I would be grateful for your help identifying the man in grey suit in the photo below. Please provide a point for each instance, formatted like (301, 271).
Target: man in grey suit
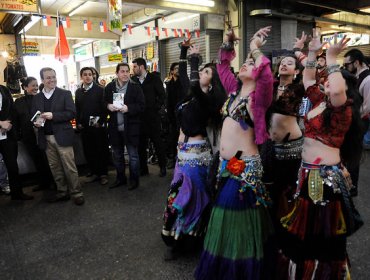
(56, 135)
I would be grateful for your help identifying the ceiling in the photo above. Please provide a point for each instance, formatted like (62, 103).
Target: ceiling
(92, 8)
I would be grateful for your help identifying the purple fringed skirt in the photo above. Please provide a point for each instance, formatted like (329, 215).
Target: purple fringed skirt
(187, 197)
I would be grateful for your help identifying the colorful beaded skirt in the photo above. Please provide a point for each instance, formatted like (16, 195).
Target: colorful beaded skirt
(239, 226)
(314, 246)
(187, 199)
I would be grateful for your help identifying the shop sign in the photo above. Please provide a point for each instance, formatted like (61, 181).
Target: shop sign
(355, 39)
(102, 47)
(150, 51)
(30, 48)
(20, 5)
(115, 16)
(115, 57)
(83, 52)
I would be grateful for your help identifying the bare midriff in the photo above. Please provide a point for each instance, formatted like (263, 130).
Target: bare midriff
(234, 138)
(281, 125)
(316, 152)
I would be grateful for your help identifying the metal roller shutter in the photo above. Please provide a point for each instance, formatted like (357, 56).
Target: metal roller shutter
(172, 50)
(274, 39)
(215, 41)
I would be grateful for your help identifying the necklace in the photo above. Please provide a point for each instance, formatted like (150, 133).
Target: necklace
(282, 88)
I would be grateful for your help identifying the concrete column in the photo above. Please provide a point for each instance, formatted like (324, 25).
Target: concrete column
(288, 33)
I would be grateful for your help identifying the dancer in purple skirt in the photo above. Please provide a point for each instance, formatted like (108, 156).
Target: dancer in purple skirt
(188, 202)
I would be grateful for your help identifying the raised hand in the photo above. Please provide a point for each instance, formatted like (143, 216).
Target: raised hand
(230, 36)
(315, 44)
(262, 32)
(194, 49)
(337, 47)
(258, 39)
(299, 42)
(187, 42)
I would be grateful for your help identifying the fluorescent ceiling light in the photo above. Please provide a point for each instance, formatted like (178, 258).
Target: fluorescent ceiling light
(78, 8)
(206, 3)
(181, 19)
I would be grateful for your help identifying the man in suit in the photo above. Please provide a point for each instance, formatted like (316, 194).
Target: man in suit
(154, 94)
(56, 136)
(124, 123)
(9, 146)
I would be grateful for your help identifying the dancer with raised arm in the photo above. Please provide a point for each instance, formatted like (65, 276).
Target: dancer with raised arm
(240, 225)
(324, 215)
(188, 202)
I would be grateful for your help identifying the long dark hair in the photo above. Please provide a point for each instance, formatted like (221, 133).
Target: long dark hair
(217, 97)
(351, 149)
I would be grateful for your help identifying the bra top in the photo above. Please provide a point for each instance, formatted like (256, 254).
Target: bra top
(289, 102)
(340, 121)
(240, 113)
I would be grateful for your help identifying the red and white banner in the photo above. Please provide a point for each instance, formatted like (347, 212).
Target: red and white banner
(66, 22)
(129, 28)
(46, 20)
(103, 26)
(87, 25)
(165, 30)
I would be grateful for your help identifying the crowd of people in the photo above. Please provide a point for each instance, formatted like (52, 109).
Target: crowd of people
(265, 166)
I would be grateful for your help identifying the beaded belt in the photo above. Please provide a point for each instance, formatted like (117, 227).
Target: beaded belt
(318, 176)
(289, 150)
(197, 153)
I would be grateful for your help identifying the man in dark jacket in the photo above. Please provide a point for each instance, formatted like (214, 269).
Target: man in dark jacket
(125, 102)
(91, 116)
(154, 94)
(9, 145)
(56, 135)
(175, 93)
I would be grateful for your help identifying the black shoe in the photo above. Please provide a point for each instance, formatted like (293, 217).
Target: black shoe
(40, 188)
(118, 183)
(59, 197)
(133, 185)
(79, 200)
(21, 196)
(162, 172)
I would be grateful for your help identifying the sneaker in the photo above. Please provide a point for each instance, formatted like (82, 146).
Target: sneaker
(91, 179)
(5, 189)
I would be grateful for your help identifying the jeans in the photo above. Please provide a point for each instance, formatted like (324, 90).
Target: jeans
(118, 148)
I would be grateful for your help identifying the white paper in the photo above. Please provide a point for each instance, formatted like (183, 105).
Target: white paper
(118, 100)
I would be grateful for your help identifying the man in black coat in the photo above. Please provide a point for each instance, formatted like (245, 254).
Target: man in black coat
(125, 102)
(175, 93)
(154, 94)
(9, 145)
(91, 117)
(56, 135)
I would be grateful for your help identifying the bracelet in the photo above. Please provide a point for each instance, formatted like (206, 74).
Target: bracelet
(227, 46)
(297, 49)
(256, 53)
(311, 64)
(333, 68)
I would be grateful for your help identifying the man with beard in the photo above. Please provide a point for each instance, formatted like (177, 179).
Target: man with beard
(154, 94)
(321, 73)
(355, 62)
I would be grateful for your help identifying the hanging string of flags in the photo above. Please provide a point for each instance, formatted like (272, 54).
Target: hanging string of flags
(87, 26)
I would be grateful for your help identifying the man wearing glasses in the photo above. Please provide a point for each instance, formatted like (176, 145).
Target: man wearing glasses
(355, 62)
